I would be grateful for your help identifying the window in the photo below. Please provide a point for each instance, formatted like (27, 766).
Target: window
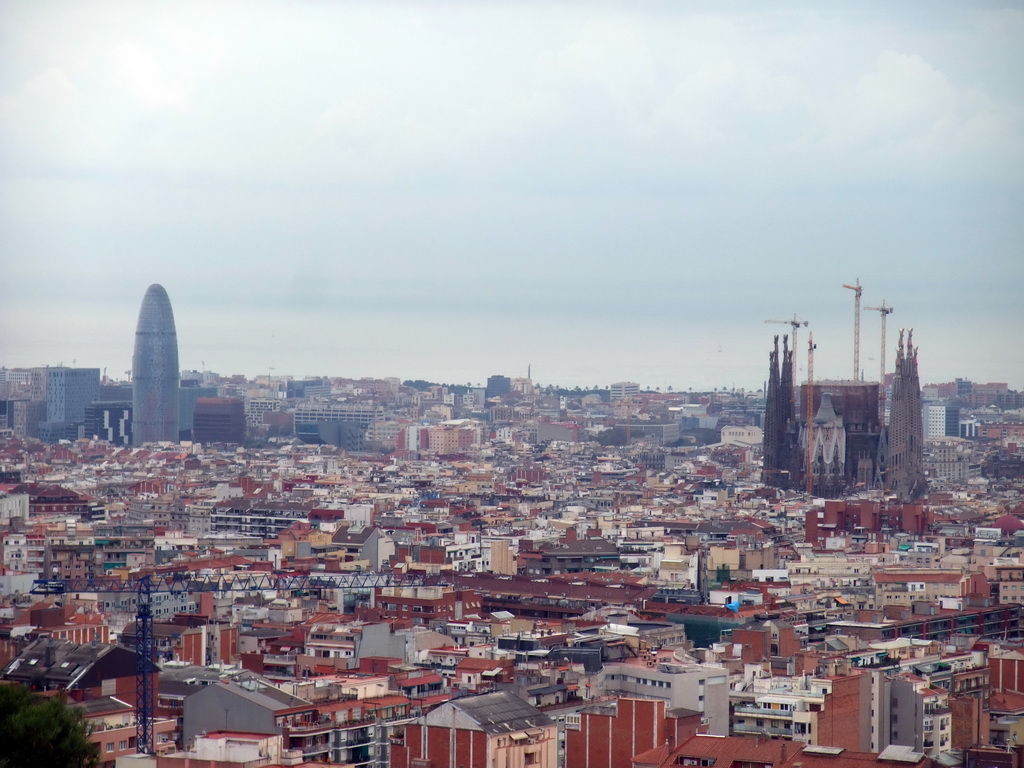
(110, 746)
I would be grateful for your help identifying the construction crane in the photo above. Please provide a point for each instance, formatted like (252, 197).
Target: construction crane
(796, 325)
(885, 312)
(145, 587)
(857, 291)
(809, 419)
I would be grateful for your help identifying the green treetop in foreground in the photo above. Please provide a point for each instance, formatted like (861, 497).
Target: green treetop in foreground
(42, 732)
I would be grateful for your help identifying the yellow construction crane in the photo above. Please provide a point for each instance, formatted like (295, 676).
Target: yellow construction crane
(857, 290)
(796, 324)
(885, 312)
(809, 419)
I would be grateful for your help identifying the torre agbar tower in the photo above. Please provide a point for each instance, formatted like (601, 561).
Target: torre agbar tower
(155, 371)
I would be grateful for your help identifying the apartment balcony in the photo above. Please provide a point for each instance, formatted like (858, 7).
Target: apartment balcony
(276, 659)
(396, 719)
(748, 728)
(767, 713)
(353, 742)
(312, 751)
(356, 762)
(361, 754)
(311, 729)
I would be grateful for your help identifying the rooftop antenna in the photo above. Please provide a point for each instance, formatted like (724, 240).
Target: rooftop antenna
(857, 289)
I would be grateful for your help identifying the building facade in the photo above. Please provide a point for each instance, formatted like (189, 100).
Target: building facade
(155, 373)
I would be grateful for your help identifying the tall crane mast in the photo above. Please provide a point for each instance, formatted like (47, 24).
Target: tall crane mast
(146, 586)
(795, 323)
(857, 290)
(809, 419)
(885, 312)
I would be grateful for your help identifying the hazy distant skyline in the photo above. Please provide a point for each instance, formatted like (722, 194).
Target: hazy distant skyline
(447, 190)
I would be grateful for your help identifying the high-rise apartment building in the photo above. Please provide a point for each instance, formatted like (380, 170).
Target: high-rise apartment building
(110, 421)
(497, 386)
(23, 416)
(624, 390)
(155, 371)
(219, 420)
(65, 392)
(188, 394)
(69, 391)
(941, 421)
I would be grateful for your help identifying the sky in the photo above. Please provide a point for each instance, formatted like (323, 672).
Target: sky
(602, 191)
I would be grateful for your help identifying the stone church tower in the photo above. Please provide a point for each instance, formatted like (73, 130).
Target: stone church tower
(904, 474)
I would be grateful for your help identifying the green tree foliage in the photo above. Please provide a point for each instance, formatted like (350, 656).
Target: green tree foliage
(613, 436)
(419, 384)
(42, 732)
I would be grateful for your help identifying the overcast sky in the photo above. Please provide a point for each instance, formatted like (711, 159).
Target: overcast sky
(446, 190)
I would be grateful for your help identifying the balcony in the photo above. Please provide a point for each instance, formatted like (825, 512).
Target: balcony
(275, 659)
(311, 729)
(747, 728)
(758, 712)
(351, 742)
(396, 719)
(101, 727)
(313, 750)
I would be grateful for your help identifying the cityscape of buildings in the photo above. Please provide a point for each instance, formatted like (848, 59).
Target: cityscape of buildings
(266, 571)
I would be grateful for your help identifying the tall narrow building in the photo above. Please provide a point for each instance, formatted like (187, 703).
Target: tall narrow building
(905, 471)
(779, 453)
(773, 432)
(155, 371)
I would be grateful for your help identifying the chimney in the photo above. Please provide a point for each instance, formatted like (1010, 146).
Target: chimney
(49, 653)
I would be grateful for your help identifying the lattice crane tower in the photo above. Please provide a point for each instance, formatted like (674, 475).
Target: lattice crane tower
(885, 312)
(857, 291)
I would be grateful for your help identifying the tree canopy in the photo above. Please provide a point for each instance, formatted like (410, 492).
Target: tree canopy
(42, 731)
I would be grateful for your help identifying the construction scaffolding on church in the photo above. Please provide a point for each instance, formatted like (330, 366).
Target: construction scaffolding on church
(852, 449)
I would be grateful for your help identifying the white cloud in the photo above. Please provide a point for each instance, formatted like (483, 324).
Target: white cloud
(614, 97)
(42, 117)
(137, 70)
(906, 117)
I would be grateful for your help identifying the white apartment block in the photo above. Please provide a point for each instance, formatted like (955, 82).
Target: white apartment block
(359, 414)
(622, 390)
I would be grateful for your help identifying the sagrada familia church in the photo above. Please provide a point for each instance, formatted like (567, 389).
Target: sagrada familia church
(851, 446)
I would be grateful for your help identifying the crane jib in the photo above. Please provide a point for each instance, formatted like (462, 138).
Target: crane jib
(145, 586)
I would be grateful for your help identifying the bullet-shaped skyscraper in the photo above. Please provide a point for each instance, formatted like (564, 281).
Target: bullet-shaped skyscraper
(155, 371)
